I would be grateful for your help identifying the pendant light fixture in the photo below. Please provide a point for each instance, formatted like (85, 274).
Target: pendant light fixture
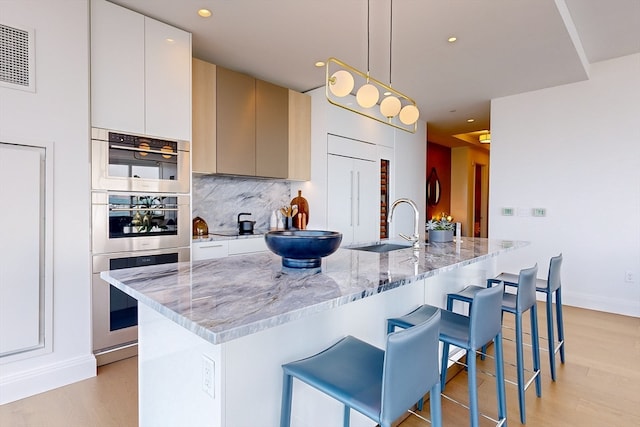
(395, 108)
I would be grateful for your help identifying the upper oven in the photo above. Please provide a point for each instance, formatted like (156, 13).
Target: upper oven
(124, 222)
(127, 162)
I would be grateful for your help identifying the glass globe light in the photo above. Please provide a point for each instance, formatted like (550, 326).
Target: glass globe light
(367, 95)
(390, 106)
(341, 83)
(409, 114)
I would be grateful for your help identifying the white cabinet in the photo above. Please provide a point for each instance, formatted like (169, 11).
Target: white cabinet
(353, 198)
(117, 67)
(140, 73)
(167, 80)
(223, 248)
(246, 246)
(209, 250)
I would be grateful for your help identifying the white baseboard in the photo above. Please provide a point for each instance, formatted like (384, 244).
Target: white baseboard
(44, 378)
(625, 307)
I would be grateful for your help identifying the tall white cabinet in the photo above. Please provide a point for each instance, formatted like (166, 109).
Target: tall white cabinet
(140, 73)
(353, 189)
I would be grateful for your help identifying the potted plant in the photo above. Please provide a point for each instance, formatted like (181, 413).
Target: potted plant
(441, 228)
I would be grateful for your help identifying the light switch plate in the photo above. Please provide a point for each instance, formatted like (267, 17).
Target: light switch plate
(539, 212)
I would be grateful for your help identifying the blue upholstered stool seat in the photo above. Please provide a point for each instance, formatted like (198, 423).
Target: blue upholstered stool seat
(468, 332)
(380, 384)
(550, 287)
(517, 304)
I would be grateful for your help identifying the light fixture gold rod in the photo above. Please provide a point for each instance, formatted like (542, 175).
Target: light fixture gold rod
(346, 66)
(365, 75)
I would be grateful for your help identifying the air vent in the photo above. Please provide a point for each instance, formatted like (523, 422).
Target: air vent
(16, 58)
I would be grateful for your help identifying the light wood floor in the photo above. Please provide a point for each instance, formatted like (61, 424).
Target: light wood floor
(598, 386)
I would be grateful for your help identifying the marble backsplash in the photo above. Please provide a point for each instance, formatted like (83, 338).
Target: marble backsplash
(219, 199)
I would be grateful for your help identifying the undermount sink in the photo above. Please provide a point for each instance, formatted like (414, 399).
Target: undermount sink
(381, 247)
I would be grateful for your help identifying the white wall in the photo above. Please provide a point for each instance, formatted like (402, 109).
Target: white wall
(58, 113)
(575, 151)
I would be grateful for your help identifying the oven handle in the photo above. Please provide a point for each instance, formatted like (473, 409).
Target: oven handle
(143, 209)
(124, 147)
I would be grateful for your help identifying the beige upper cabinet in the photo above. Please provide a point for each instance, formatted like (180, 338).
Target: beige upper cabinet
(204, 106)
(272, 129)
(299, 137)
(236, 123)
(244, 126)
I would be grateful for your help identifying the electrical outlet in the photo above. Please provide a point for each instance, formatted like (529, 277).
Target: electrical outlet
(208, 376)
(629, 277)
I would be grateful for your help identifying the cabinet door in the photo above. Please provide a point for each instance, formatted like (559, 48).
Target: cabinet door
(209, 250)
(203, 144)
(367, 203)
(167, 76)
(299, 136)
(236, 128)
(353, 198)
(117, 68)
(340, 196)
(272, 130)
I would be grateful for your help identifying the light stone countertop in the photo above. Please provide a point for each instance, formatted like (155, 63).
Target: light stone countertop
(227, 298)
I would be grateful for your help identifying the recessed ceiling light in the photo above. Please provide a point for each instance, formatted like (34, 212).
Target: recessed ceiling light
(471, 120)
(319, 64)
(452, 39)
(205, 13)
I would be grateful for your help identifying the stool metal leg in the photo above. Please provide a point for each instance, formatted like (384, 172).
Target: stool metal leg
(285, 410)
(346, 419)
(550, 335)
(520, 368)
(500, 388)
(435, 405)
(473, 392)
(443, 365)
(560, 323)
(536, 349)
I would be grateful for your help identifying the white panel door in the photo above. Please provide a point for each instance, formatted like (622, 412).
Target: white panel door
(117, 68)
(353, 198)
(367, 203)
(167, 81)
(340, 196)
(21, 248)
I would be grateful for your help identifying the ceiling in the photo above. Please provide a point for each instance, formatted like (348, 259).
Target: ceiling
(503, 47)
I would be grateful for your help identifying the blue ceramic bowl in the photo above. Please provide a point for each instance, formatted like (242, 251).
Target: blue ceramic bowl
(303, 248)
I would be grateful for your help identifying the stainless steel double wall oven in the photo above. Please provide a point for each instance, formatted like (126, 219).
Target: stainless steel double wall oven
(141, 215)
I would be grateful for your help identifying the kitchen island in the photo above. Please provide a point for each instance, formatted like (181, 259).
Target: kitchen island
(213, 334)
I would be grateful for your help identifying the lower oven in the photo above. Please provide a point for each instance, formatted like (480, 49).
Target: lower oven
(115, 314)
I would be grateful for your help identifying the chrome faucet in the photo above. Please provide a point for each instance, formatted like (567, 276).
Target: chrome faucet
(415, 239)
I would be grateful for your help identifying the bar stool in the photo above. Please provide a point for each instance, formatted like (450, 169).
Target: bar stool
(523, 300)
(379, 384)
(483, 324)
(549, 287)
